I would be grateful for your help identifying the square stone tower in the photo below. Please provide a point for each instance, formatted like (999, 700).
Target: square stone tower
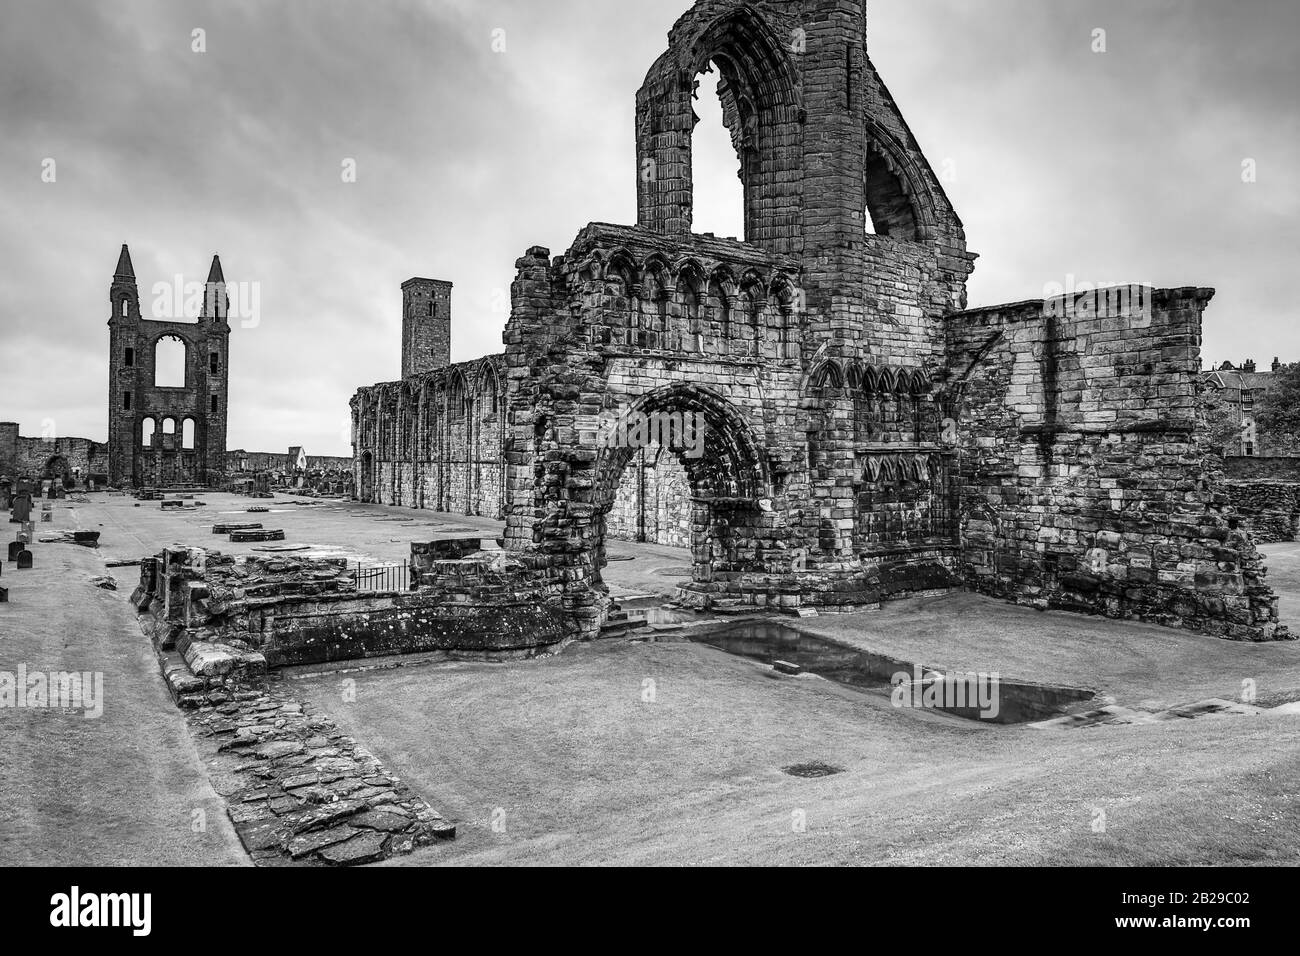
(426, 325)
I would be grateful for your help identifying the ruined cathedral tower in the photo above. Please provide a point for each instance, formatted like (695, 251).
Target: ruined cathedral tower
(426, 325)
(813, 347)
(167, 431)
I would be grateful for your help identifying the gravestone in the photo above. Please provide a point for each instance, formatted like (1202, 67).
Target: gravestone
(47, 516)
(24, 560)
(14, 548)
(22, 506)
(4, 595)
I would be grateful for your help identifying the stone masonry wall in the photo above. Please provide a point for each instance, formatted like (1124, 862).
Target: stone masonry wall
(1083, 483)
(39, 458)
(1241, 466)
(1269, 508)
(226, 613)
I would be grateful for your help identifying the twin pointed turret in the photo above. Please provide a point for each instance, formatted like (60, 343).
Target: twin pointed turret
(125, 270)
(124, 287)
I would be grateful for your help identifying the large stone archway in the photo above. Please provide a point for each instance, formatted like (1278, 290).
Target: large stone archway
(723, 460)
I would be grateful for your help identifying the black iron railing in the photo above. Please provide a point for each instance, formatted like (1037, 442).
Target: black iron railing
(382, 577)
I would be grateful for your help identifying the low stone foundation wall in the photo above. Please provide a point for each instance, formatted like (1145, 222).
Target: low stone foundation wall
(227, 615)
(865, 587)
(1269, 507)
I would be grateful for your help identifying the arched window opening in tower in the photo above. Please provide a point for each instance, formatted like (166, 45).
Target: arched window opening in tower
(169, 363)
(889, 207)
(719, 193)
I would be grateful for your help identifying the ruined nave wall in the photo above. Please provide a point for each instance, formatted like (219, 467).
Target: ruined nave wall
(433, 440)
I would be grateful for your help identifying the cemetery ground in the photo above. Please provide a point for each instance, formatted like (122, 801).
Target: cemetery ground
(662, 752)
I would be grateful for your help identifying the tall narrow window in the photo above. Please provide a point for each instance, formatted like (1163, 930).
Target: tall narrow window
(214, 363)
(719, 193)
(187, 433)
(130, 357)
(169, 363)
(126, 401)
(214, 404)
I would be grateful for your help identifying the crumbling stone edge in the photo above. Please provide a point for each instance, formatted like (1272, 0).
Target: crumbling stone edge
(298, 791)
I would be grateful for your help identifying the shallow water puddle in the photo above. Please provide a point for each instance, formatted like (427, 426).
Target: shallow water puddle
(979, 697)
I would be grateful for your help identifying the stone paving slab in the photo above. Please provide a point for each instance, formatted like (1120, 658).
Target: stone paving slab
(298, 790)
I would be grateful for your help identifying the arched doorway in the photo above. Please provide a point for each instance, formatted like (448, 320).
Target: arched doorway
(724, 466)
(56, 470)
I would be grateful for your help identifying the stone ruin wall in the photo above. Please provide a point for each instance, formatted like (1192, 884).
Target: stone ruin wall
(39, 458)
(1269, 508)
(1084, 482)
(433, 440)
(233, 616)
(1243, 467)
(868, 437)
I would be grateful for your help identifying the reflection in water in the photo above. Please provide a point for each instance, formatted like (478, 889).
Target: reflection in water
(769, 641)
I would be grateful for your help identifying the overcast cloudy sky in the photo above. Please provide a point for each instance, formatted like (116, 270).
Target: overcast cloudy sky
(1116, 166)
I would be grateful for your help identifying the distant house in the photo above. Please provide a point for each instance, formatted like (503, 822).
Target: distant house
(1242, 389)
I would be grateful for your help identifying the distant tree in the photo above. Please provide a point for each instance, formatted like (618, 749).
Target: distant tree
(1278, 413)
